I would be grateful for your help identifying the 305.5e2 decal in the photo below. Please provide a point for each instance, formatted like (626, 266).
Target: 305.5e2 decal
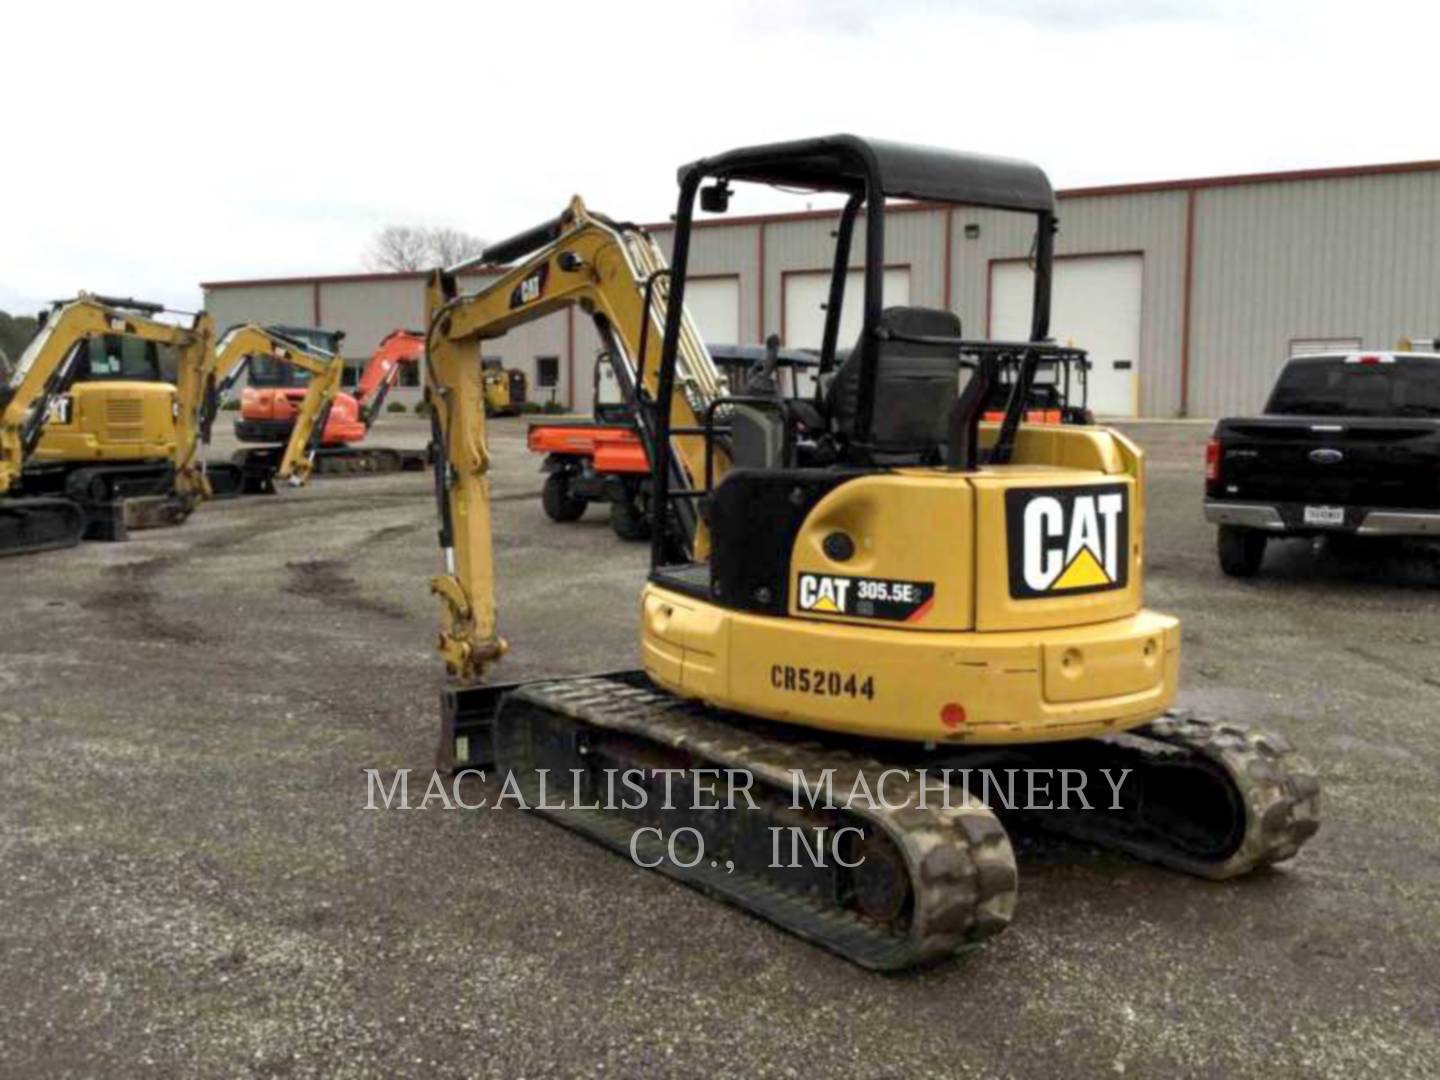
(865, 598)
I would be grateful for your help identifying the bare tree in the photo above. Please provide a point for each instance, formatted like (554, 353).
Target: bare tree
(410, 247)
(451, 246)
(16, 331)
(400, 247)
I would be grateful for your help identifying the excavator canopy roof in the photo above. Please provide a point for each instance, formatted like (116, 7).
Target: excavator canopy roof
(899, 170)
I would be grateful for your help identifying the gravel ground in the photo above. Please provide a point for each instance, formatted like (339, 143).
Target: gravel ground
(191, 885)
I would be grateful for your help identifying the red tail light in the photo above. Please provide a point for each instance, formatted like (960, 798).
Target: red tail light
(1212, 460)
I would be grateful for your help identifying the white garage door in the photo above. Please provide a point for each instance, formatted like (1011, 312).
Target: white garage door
(807, 292)
(1095, 306)
(714, 304)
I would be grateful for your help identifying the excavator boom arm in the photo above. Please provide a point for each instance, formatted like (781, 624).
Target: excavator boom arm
(618, 276)
(383, 371)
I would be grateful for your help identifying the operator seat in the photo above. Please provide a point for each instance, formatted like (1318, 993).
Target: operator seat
(916, 388)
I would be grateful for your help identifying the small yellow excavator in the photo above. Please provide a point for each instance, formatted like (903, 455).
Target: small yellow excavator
(294, 461)
(863, 593)
(102, 420)
(505, 389)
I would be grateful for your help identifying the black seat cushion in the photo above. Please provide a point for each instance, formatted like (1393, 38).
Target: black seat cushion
(915, 385)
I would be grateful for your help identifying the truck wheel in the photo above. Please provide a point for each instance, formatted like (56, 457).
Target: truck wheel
(628, 522)
(559, 504)
(1241, 550)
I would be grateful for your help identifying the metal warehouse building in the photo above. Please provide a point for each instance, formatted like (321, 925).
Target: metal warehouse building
(1189, 294)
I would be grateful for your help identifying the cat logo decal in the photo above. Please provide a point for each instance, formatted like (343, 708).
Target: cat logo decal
(1067, 540)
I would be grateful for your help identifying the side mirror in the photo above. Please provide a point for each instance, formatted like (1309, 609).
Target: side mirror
(715, 199)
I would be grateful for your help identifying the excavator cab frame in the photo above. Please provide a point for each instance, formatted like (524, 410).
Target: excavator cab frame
(868, 173)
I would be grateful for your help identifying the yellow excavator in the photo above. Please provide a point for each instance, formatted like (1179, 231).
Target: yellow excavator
(505, 389)
(102, 420)
(294, 461)
(870, 590)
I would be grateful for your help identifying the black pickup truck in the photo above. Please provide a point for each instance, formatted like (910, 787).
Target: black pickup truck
(1349, 444)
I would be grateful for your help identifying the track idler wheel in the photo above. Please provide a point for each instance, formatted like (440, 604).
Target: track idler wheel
(877, 883)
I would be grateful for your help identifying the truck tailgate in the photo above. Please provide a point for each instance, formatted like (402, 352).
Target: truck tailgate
(1341, 460)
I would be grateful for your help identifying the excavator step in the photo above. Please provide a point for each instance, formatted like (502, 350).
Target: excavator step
(30, 525)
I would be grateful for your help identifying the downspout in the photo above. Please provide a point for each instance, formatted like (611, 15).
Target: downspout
(570, 357)
(760, 283)
(949, 254)
(1185, 302)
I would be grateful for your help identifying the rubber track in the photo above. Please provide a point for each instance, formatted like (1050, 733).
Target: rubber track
(368, 461)
(962, 871)
(31, 525)
(1277, 788)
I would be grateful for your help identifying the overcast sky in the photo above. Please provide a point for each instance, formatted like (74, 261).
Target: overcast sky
(155, 145)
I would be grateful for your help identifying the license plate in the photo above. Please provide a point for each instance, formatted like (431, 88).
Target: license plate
(1324, 515)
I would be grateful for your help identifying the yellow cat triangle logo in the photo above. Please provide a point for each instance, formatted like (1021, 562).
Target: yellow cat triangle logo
(1083, 572)
(825, 604)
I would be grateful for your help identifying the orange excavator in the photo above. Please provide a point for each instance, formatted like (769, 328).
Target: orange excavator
(269, 404)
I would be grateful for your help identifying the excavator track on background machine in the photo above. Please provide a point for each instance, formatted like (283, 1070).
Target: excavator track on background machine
(853, 592)
(95, 442)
